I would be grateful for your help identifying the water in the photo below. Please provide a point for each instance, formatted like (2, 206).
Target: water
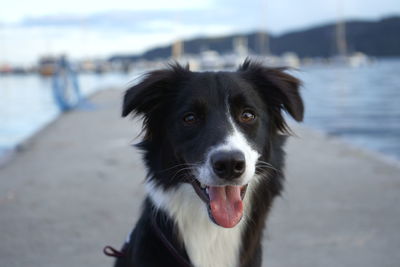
(361, 105)
(27, 103)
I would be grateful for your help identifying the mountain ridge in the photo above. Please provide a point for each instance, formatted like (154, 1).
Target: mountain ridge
(378, 38)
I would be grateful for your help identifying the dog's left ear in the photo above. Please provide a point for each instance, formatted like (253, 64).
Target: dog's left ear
(148, 95)
(279, 89)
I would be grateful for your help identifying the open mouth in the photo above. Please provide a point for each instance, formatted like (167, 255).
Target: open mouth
(224, 203)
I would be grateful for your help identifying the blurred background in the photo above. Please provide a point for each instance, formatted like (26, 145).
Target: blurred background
(346, 52)
(70, 188)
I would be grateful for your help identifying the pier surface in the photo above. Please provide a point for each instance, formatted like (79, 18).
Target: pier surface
(77, 186)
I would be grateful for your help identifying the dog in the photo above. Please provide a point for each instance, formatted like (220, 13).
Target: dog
(213, 147)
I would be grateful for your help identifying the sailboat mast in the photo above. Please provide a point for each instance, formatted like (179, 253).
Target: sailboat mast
(263, 38)
(177, 46)
(177, 49)
(341, 42)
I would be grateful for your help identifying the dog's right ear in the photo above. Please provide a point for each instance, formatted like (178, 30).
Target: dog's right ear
(279, 90)
(148, 95)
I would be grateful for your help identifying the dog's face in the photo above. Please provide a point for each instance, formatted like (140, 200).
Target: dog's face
(212, 130)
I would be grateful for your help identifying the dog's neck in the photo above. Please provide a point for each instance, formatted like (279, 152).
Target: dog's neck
(206, 244)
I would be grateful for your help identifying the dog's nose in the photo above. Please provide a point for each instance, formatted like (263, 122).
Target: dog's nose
(228, 164)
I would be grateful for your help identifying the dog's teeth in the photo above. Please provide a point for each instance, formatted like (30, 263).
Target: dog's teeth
(202, 185)
(207, 190)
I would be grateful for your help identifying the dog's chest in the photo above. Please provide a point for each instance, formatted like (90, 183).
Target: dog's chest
(207, 244)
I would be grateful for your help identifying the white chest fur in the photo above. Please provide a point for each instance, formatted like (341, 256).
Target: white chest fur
(207, 244)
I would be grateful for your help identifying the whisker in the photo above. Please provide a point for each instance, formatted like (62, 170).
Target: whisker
(181, 170)
(266, 165)
(264, 162)
(176, 166)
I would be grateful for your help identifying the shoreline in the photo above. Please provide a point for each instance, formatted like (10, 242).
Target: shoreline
(389, 159)
(9, 153)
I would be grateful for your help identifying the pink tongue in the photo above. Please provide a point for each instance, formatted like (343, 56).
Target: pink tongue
(226, 205)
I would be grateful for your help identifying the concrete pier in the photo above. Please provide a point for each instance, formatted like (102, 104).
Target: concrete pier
(76, 186)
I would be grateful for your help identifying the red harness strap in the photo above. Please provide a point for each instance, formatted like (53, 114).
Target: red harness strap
(112, 252)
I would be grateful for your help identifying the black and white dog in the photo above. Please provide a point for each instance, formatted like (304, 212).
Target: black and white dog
(213, 149)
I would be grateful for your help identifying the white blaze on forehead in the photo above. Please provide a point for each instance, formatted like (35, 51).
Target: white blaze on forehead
(234, 141)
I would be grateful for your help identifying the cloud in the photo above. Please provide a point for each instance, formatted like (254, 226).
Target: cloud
(276, 16)
(134, 29)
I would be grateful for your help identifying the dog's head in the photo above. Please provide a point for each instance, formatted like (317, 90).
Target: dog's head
(213, 129)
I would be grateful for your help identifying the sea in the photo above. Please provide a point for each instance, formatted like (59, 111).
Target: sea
(360, 105)
(27, 103)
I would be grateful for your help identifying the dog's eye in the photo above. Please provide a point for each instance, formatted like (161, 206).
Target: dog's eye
(190, 118)
(247, 116)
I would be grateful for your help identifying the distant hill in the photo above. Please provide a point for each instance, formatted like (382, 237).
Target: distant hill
(375, 38)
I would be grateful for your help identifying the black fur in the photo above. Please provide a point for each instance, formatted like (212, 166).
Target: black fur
(162, 99)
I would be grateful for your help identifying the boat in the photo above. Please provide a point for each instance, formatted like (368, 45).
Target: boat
(47, 66)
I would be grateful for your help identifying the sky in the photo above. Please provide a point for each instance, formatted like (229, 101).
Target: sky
(89, 29)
